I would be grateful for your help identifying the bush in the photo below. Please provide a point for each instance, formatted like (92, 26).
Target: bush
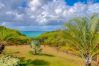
(9, 61)
(35, 45)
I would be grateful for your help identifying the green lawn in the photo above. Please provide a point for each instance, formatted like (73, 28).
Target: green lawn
(50, 56)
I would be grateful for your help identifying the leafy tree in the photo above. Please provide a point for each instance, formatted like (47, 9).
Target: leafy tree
(82, 34)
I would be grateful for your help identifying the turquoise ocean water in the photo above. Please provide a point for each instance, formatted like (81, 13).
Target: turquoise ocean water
(32, 33)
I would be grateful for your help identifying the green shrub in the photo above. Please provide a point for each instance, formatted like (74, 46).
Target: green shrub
(35, 45)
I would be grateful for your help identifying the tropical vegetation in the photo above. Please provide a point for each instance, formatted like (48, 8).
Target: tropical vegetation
(79, 39)
(9, 36)
(9, 61)
(83, 35)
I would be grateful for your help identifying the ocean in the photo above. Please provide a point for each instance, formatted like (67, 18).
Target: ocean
(32, 33)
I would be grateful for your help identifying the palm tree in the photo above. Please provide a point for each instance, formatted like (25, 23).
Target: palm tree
(83, 35)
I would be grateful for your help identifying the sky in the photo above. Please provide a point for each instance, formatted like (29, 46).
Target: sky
(43, 15)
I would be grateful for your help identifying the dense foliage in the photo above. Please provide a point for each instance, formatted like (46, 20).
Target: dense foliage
(10, 36)
(54, 38)
(83, 35)
(9, 61)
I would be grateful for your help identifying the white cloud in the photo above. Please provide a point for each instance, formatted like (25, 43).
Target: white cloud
(93, 8)
(3, 24)
(37, 28)
(46, 12)
(57, 10)
(2, 5)
(42, 12)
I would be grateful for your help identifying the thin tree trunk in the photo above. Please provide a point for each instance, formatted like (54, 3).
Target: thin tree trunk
(88, 64)
(35, 50)
(88, 61)
(97, 60)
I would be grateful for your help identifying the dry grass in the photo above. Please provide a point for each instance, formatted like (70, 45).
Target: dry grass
(50, 55)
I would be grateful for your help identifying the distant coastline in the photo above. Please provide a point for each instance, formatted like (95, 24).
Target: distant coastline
(32, 33)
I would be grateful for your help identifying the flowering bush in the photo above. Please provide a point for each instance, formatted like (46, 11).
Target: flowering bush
(9, 61)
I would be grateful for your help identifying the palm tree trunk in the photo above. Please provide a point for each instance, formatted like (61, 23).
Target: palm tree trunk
(88, 61)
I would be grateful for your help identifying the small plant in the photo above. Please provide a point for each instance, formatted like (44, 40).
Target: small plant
(9, 61)
(35, 45)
